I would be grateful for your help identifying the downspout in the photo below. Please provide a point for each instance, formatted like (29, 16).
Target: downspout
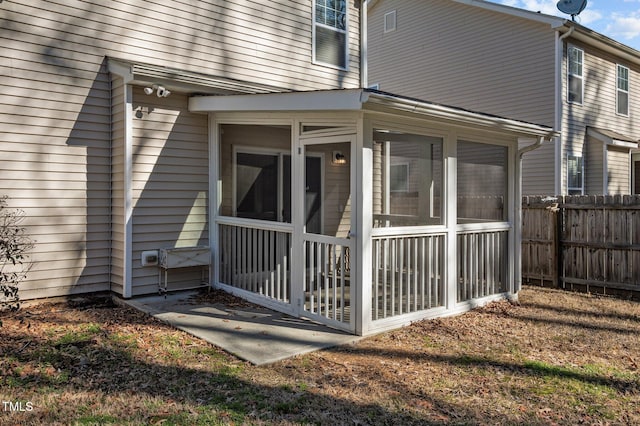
(518, 216)
(364, 75)
(559, 109)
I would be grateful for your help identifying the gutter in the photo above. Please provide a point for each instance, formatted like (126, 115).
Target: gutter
(517, 226)
(568, 33)
(557, 167)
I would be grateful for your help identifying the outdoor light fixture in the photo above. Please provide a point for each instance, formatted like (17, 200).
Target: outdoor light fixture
(338, 158)
(161, 91)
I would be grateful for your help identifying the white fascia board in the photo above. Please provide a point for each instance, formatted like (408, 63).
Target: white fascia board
(462, 116)
(334, 100)
(623, 144)
(356, 100)
(120, 69)
(553, 21)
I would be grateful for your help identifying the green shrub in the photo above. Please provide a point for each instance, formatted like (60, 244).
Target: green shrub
(15, 245)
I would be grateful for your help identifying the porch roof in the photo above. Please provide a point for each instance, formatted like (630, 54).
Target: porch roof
(609, 137)
(363, 100)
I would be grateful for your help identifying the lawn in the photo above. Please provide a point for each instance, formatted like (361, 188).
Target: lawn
(556, 358)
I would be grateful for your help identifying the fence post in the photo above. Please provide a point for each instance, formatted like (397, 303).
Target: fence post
(557, 243)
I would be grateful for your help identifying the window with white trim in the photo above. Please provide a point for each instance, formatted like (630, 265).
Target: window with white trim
(575, 75)
(390, 21)
(575, 175)
(330, 35)
(622, 90)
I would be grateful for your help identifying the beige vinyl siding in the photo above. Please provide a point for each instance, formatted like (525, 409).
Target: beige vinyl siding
(336, 202)
(598, 109)
(593, 167)
(169, 186)
(118, 127)
(465, 56)
(55, 165)
(55, 116)
(253, 41)
(618, 172)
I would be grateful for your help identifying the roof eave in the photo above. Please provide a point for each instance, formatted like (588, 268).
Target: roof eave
(361, 100)
(134, 72)
(602, 42)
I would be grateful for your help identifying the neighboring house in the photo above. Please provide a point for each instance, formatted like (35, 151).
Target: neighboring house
(236, 135)
(529, 66)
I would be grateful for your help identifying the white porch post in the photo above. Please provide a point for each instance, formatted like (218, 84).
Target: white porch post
(363, 218)
(451, 218)
(214, 199)
(297, 219)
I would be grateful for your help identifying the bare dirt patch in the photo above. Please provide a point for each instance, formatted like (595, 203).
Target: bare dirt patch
(556, 358)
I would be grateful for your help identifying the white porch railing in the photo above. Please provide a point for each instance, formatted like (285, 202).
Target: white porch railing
(256, 259)
(482, 263)
(407, 274)
(327, 278)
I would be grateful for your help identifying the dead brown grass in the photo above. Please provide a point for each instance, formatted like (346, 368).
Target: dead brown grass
(556, 358)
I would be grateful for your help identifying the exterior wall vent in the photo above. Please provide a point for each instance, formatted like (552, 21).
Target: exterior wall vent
(149, 258)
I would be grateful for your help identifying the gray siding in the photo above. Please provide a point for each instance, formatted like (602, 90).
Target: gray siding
(469, 57)
(54, 164)
(593, 169)
(56, 124)
(170, 184)
(618, 171)
(599, 107)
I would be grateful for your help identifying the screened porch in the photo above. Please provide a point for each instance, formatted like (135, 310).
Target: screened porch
(360, 210)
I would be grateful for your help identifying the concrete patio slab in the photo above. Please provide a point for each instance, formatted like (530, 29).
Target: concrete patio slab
(252, 333)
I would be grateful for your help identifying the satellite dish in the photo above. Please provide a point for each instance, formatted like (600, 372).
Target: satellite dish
(571, 7)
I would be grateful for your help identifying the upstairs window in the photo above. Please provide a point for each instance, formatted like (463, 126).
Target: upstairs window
(330, 33)
(622, 90)
(390, 21)
(575, 79)
(575, 175)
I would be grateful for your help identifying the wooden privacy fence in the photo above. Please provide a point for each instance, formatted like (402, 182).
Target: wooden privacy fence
(589, 243)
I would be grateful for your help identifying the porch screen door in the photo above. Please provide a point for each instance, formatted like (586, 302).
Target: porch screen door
(327, 239)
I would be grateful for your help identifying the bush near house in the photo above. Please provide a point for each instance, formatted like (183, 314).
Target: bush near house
(14, 260)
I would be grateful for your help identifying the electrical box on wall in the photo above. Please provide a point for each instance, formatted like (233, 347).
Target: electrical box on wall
(149, 258)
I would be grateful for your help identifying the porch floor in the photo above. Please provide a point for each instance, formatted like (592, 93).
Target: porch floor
(252, 333)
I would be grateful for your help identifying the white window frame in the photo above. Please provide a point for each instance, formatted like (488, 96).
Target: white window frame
(577, 76)
(314, 60)
(576, 188)
(390, 23)
(619, 90)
